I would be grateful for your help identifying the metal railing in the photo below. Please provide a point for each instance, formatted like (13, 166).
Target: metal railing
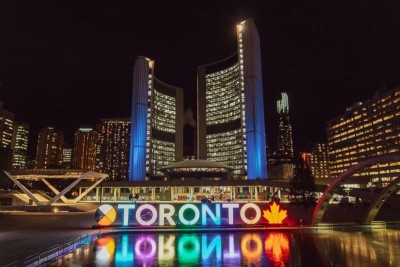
(56, 252)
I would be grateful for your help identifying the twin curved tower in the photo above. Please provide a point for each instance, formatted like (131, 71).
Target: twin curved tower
(230, 114)
(157, 123)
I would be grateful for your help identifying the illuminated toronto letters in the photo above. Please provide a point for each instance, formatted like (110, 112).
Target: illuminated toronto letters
(166, 215)
(190, 214)
(193, 249)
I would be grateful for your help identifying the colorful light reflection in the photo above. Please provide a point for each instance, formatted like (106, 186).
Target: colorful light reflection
(251, 247)
(106, 249)
(189, 249)
(277, 248)
(145, 248)
(124, 255)
(246, 249)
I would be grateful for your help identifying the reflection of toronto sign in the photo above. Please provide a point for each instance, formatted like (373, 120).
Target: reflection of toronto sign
(192, 249)
(127, 214)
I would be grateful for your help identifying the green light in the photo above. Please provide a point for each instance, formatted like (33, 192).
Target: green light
(189, 249)
(192, 210)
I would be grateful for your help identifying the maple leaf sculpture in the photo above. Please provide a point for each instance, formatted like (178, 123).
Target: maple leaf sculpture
(275, 216)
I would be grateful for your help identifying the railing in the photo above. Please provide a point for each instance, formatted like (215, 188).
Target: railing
(55, 252)
(374, 225)
(325, 226)
(378, 225)
(393, 225)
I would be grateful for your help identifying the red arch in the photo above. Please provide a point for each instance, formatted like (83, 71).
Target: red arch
(380, 199)
(323, 202)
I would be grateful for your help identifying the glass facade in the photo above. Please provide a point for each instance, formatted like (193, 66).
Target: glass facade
(225, 137)
(49, 148)
(318, 161)
(19, 145)
(157, 126)
(367, 130)
(6, 126)
(161, 145)
(85, 142)
(285, 140)
(112, 153)
(230, 108)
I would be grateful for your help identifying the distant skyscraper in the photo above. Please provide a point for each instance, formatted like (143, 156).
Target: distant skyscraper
(318, 161)
(230, 108)
(49, 148)
(112, 153)
(84, 155)
(6, 126)
(367, 129)
(285, 140)
(157, 123)
(67, 156)
(19, 145)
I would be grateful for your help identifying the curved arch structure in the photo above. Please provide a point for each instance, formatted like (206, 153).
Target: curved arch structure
(230, 108)
(380, 199)
(323, 202)
(156, 128)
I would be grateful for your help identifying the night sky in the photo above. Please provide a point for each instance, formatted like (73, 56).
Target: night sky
(70, 63)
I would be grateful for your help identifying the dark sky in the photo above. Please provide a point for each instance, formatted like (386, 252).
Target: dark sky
(70, 63)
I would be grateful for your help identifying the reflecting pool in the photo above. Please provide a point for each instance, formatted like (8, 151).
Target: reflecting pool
(241, 249)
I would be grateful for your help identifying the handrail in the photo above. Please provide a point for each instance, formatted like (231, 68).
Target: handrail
(57, 251)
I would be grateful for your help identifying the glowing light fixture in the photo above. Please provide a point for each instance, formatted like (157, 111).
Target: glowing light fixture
(274, 215)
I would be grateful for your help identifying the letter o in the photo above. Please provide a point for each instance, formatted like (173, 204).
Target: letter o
(196, 214)
(150, 252)
(243, 213)
(153, 213)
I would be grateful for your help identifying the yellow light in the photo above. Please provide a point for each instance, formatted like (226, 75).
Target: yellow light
(275, 216)
(277, 247)
(151, 64)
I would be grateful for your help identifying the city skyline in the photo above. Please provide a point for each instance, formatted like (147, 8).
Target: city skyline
(77, 63)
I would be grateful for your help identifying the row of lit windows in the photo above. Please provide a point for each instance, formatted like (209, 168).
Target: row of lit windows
(164, 112)
(223, 96)
(231, 154)
(242, 84)
(365, 128)
(163, 153)
(379, 108)
(355, 139)
(221, 91)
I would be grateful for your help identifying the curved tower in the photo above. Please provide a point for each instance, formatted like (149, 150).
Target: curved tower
(156, 130)
(230, 117)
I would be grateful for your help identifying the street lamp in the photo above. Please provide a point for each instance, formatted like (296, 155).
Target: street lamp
(371, 186)
(347, 190)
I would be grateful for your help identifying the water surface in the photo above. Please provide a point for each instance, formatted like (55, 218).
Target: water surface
(242, 249)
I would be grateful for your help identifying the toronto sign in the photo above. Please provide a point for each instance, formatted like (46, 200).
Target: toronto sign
(189, 214)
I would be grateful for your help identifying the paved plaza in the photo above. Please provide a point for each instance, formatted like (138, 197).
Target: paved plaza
(23, 234)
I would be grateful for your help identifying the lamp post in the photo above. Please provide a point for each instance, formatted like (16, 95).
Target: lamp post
(347, 190)
(371, 186)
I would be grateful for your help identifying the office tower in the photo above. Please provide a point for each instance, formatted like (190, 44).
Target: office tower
(19, 145)
(49, 148)
(6, 126)
(230, 109)
(285, 140)
(67, 156)
(112, 153)
(367, 129)
(84, 155)
(318, 161)
(157, 123)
